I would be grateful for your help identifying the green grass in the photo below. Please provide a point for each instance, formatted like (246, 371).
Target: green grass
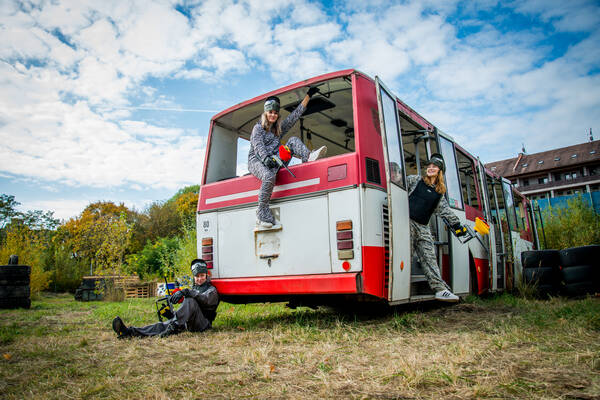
(497, 347)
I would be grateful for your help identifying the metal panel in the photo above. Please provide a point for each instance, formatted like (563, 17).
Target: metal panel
(301, 247)
(345, 205)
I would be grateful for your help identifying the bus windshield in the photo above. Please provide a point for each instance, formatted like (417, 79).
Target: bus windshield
(328, 120)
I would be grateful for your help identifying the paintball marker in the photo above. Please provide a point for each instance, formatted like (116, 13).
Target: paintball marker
(166, 308)
(466, 233)
(282, 164)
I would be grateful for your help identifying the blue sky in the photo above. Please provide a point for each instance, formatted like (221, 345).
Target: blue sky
(112, 100)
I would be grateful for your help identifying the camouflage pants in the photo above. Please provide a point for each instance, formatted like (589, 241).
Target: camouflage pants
(188, 315)
(268, 176)
(423, 247)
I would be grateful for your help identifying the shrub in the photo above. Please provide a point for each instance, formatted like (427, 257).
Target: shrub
(578, 224)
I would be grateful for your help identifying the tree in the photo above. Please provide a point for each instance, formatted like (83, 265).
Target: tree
(100, 235)
(8, 209)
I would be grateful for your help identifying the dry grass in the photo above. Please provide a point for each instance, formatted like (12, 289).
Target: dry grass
(497, 348)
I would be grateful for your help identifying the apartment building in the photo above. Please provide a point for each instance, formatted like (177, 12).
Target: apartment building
(560, 172)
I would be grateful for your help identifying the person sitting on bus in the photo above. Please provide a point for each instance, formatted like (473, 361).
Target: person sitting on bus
(196, 314)
(426, 197)
(264, 146)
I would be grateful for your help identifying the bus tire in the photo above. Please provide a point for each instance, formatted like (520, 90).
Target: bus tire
(584, 255)
(540, 258)
(15, 302)
(580, 273)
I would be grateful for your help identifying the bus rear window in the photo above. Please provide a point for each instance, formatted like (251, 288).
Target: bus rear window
(328, 121)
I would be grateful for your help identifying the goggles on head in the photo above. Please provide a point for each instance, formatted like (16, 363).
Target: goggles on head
(272, 105)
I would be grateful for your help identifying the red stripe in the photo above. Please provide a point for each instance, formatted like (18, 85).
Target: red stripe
(482, 267)
(317, 169)
(299, 284)
(373, 278)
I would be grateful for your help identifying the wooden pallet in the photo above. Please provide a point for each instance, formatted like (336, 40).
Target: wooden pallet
(140, 290)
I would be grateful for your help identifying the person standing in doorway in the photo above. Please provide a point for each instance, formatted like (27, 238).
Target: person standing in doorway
(426, 197)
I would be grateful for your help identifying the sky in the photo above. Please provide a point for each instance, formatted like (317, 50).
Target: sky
(111, 100)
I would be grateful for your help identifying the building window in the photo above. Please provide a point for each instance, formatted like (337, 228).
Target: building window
(595, 170)
(557, 159)
(525, 182)
(557, 176)
(541, 162)
(574, 156)
(543, 180)
(524, 165)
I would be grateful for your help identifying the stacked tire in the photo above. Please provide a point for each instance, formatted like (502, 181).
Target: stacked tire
(541, 269)
(14, 286)
(580, 270)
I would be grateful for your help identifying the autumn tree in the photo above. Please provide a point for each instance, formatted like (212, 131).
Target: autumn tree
(100, 234)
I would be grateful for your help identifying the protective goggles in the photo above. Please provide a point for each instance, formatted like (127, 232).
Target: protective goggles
(272, 105)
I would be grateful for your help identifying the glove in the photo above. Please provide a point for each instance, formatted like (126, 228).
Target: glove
(459, 230)
(270, 163)
(312, 90)
(178, 296)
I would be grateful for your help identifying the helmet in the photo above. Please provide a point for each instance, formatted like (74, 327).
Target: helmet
(272, 103)
(437, 159)
(199, 267)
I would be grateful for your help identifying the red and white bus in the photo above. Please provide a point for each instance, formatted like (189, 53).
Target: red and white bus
(345, 234)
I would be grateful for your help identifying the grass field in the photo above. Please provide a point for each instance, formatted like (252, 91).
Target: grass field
(497, 348)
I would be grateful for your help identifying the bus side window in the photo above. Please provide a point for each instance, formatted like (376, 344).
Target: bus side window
(466, 173)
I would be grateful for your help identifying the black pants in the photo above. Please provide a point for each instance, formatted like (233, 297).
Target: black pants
(189, 316)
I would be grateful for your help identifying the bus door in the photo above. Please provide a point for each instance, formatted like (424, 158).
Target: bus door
(513, 233)
(397, 197)
(501, 230)
(458, 252)
(488, 205)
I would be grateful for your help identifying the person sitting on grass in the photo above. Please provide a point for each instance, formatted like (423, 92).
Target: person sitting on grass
(196, 314)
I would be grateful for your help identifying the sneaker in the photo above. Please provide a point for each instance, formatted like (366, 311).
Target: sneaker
(316, 154)
(267, 225)
(263, 224)
(120, 328)
(446, 295)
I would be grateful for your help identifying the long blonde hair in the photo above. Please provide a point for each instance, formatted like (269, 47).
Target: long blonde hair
(267, 126)
(437, 181)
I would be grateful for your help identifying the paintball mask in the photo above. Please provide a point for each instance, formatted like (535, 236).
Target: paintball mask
(199, 267)
(272, 103)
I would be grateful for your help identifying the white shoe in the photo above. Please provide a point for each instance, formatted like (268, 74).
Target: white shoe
(316, 154)
(446, 295)
(267, 225)
(263, 224)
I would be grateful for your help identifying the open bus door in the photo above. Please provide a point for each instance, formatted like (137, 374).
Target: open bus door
(489, 205)
(502, 233)
(398, 232)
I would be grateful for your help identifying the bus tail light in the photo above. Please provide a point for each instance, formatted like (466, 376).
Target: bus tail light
(345, 242)
(207, 251)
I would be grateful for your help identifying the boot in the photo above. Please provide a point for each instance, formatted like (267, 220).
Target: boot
(120, 328)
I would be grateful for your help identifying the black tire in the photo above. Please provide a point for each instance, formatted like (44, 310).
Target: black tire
(580, 289)
(577, 274)
(13, 271)
(14, 291)
(540, 276)
(16, 302)
(540, 258)
(584, 255)
(19, 281)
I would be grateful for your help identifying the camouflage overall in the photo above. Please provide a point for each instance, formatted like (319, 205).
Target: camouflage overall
(422, 241)
(263, 144)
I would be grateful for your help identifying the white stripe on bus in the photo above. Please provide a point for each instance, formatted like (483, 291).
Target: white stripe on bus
(278, 188)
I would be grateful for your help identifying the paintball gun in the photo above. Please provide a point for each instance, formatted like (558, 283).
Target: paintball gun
(282, 164)
(466, 233)
(164, 307)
